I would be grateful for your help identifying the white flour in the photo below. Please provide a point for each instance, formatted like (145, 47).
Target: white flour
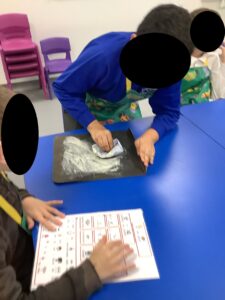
(78, 158)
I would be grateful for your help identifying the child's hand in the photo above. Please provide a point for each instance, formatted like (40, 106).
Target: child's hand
(43, 212)
(108, 258)
(145, 146)
(100, 135)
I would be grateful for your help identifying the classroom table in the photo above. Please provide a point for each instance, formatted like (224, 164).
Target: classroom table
(209, 117)
(183, 199)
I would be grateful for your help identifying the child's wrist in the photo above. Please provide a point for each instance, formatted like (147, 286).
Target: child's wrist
(152, 135)
(93, 125)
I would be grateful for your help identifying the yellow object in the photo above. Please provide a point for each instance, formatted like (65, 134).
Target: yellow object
(190, 75)
(128, 85)
(10, 210)
(133, 106)
(206, 95)
(206, 63)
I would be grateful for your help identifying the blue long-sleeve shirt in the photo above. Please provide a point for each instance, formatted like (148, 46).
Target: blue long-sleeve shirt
(97, 71)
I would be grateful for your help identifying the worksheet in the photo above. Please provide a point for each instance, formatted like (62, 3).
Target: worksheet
(73, 242)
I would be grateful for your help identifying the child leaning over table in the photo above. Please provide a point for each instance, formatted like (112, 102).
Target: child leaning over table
(17, 253)
(205, 79)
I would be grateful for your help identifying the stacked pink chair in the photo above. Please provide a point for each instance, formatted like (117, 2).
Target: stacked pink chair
(20, 55)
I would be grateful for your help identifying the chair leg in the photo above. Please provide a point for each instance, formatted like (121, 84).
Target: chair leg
(40, 84)
(42, 76)
(43, 83)
(9, 84)
(48, 83)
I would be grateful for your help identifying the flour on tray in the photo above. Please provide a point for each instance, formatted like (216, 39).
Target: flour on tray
(78, 158)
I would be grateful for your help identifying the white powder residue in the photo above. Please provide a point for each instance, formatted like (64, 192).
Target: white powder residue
(79, 159)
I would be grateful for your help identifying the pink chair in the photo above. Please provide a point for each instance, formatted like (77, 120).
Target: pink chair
(20, 55)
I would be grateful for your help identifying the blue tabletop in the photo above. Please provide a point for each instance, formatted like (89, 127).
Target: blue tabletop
(182, 196)
(209, 117)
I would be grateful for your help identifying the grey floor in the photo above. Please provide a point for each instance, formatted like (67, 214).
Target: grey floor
(49, 114)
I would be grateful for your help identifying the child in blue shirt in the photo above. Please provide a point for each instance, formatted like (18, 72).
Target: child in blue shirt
(94, 90)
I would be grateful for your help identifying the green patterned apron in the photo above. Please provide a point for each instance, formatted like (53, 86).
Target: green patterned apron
(196, 86)
(124, 110)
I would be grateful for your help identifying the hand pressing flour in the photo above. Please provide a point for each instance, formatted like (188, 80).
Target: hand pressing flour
(116, 150)
(78, 158)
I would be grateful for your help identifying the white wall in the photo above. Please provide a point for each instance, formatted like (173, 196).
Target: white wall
(217, 5)
(82, 20)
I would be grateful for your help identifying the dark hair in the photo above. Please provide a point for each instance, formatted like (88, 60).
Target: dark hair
(169, 19)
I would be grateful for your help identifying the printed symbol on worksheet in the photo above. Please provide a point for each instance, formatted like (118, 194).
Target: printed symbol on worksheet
(57, 261)
(70, 262)
(42, 270)
(56, 270)
(87, 222)
(57, 248)
(86, 252)
(112, 220)
(99, 221)
(98, 234)
(127, 232)
(87, 237)
(114, 234)
(57, 237)
(143, 244)
(125, 219)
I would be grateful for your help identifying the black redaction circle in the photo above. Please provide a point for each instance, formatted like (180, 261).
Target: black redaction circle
(155, 60)
(207, 31)
(19, 134)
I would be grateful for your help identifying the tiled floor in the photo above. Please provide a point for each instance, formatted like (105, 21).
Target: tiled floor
(49, 114)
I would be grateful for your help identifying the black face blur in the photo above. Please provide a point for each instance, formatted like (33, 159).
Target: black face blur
(19, 134)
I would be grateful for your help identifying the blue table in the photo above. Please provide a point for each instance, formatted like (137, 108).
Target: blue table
(183, 199)
(209, 117)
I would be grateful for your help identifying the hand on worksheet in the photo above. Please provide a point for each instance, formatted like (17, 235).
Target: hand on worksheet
(145, 146)
(42, 212)
(100, 135)
(108, 258)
